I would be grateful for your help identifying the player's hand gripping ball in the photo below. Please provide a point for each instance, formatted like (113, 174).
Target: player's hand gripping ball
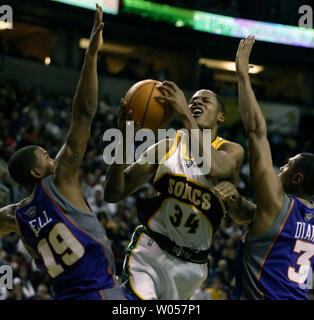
(147, 111)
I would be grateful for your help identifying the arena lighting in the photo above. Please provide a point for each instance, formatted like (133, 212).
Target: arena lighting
(109, 47)
(5, 25)
(47, 61)
(108, 6)
(227, 65)
(221, 25)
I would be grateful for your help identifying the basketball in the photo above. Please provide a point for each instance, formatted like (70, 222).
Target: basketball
(150, 113)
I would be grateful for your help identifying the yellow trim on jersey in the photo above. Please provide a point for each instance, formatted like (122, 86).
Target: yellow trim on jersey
(169, 153)
(130, 277)
(220, 143)
(215, 141)
(184, 153)
(189, 205)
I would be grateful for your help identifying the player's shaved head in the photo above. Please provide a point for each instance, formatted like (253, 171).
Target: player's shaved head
(221, 104)
(20, 165)
(304, 164)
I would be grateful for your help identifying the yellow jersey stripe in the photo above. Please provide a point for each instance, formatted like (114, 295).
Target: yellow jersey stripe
(169, 153)
(215, 141)
(220, 143)
(129, 267)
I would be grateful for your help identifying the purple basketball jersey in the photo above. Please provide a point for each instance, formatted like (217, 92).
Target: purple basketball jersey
(278, 264)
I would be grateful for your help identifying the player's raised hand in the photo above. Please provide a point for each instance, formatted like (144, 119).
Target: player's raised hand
(174, 96)
(243, 55)
(227, 191)
(125, 115)
(96, 40)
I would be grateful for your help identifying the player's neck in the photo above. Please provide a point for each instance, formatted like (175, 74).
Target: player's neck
(32, 190)
(26, 201)
(213, 133)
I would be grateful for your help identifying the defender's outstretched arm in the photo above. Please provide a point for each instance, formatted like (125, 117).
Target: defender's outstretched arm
(83, 110)
(268, 189)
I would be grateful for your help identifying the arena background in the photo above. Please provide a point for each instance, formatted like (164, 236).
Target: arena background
(40, 62)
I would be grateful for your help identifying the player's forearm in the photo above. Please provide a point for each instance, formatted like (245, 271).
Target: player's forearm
(114, 185)
(251, 114)
(222, 166)
(86, 97)
(7, 219)
(241, 210)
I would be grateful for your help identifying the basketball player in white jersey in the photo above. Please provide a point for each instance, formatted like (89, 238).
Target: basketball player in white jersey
(167, 256)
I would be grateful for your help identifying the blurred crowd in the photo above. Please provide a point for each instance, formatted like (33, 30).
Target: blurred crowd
(38, 116)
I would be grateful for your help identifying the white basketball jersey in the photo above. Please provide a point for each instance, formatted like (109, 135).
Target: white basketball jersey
(188, 210)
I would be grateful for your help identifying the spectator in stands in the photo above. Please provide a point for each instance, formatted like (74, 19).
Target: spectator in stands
(202, 293)
(217, 291)
(42, 292)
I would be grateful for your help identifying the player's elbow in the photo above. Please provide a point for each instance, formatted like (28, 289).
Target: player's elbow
(222, 172)
(257, 128)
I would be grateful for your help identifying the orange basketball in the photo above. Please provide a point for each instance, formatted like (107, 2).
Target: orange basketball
(150, 113)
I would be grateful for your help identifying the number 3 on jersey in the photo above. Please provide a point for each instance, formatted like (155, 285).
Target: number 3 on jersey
(191, 222)
(64, 244)
(306, 251)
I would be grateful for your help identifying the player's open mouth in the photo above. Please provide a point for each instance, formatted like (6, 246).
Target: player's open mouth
(197, 111)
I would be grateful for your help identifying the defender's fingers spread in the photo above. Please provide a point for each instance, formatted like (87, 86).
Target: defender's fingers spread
(226, 196)
(100, 27)
(222, 196)
(218, 189)
(224, 185)
(100, 13)
(241, 44)
(245, 43)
